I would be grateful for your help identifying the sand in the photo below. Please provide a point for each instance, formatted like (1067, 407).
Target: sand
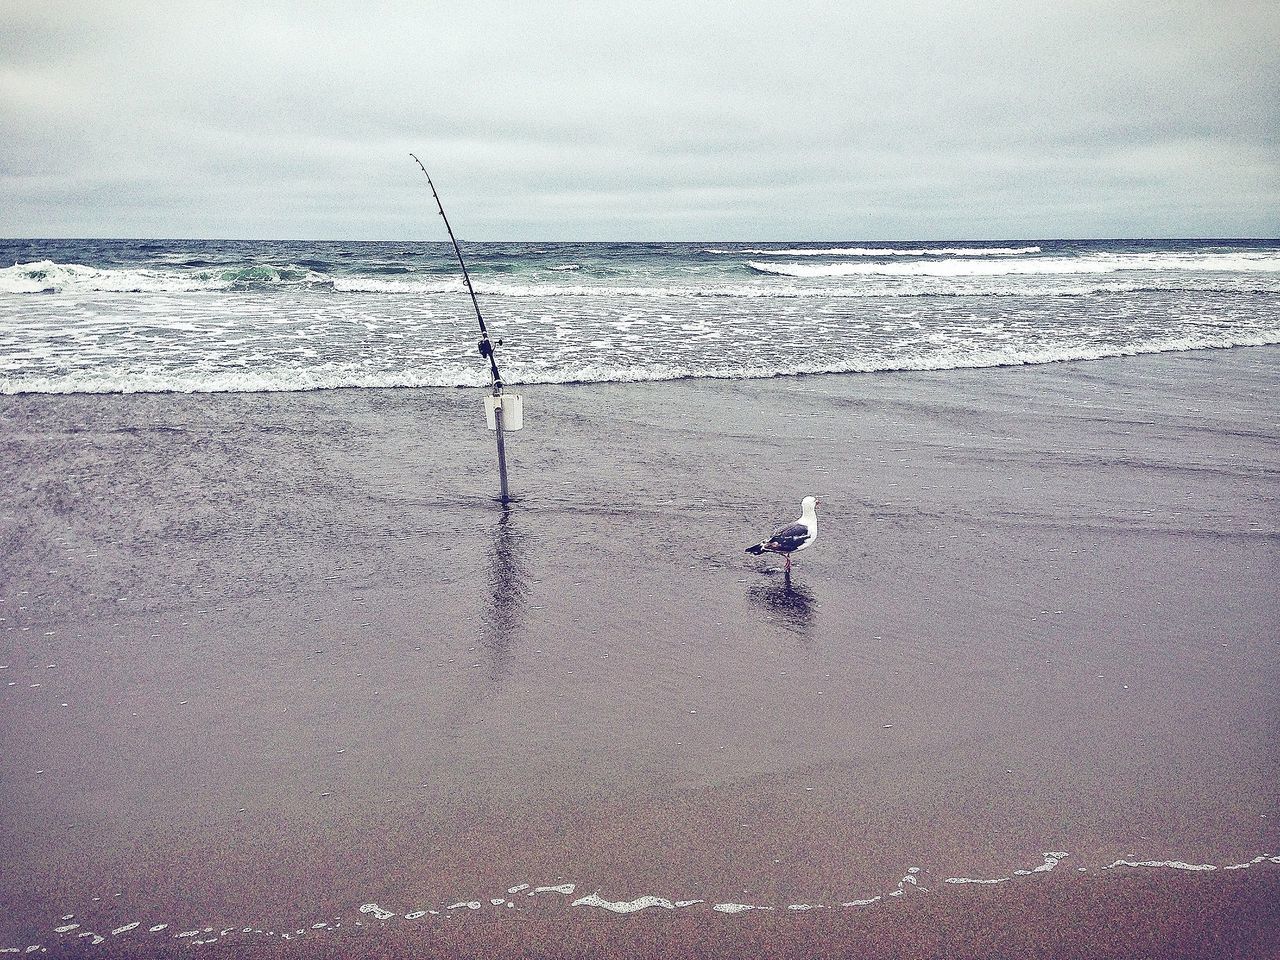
(290, 659)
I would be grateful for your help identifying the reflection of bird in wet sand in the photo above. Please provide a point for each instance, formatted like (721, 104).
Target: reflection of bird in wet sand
(793, 604)
(794, 537)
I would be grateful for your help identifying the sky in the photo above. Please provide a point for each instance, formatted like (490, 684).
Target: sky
(655, 120)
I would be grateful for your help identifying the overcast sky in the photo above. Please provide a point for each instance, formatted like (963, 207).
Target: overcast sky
(652, 120)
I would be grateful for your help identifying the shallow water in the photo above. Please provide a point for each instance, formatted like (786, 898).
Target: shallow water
(272, 659)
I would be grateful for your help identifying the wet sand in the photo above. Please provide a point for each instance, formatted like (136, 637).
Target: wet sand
(290, 659)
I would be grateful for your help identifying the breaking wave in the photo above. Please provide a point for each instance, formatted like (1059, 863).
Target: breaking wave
(1095, 263)
(344, 375)
(935, 279)
(46, 276)
(881, 251)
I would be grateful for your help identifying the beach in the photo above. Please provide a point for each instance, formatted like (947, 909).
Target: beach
(272, 658)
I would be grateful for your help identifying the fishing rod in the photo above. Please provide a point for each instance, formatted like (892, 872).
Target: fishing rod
(502, 412)
(486, 345)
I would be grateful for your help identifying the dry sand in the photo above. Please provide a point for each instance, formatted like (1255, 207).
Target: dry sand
(268, 658)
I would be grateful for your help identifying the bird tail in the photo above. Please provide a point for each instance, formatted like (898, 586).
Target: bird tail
(757, 549)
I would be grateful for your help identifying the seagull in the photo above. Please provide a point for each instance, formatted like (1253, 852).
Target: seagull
(794, 536)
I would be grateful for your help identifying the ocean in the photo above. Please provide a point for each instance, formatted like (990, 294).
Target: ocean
(128, 316)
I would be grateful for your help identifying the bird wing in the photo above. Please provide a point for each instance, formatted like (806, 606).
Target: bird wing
(789, 537)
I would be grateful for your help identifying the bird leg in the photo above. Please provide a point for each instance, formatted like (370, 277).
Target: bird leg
(787, 558)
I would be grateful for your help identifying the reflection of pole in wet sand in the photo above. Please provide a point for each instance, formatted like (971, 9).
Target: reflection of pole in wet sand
(788, 603)
(508, 585)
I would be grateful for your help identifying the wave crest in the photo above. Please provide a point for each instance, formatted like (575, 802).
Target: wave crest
(1092, 264)
(46, 276)
(881, 251)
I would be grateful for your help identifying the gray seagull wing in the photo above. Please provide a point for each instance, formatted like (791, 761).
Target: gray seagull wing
(789, 537)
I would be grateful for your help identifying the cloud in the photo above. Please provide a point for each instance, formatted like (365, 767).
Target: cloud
(661, 120)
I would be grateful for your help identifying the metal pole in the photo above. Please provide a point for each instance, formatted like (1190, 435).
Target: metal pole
(502, 449)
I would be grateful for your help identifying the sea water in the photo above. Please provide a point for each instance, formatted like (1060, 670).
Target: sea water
(81, 316)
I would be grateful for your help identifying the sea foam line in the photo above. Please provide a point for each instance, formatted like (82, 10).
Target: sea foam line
(909, 884)
(333, 377)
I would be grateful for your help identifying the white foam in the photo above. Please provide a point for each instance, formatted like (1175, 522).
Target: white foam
(47, 276)
(1088, 264)
(1166, 864)
(632, 906)
(1159, 271)
(126, 928)
(959, 356)
(1051, 860)
(358, 284)
(377, 911)
(736, 907)
(907, 883)
(861, 903)
(883, 251)
(1262, 858)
